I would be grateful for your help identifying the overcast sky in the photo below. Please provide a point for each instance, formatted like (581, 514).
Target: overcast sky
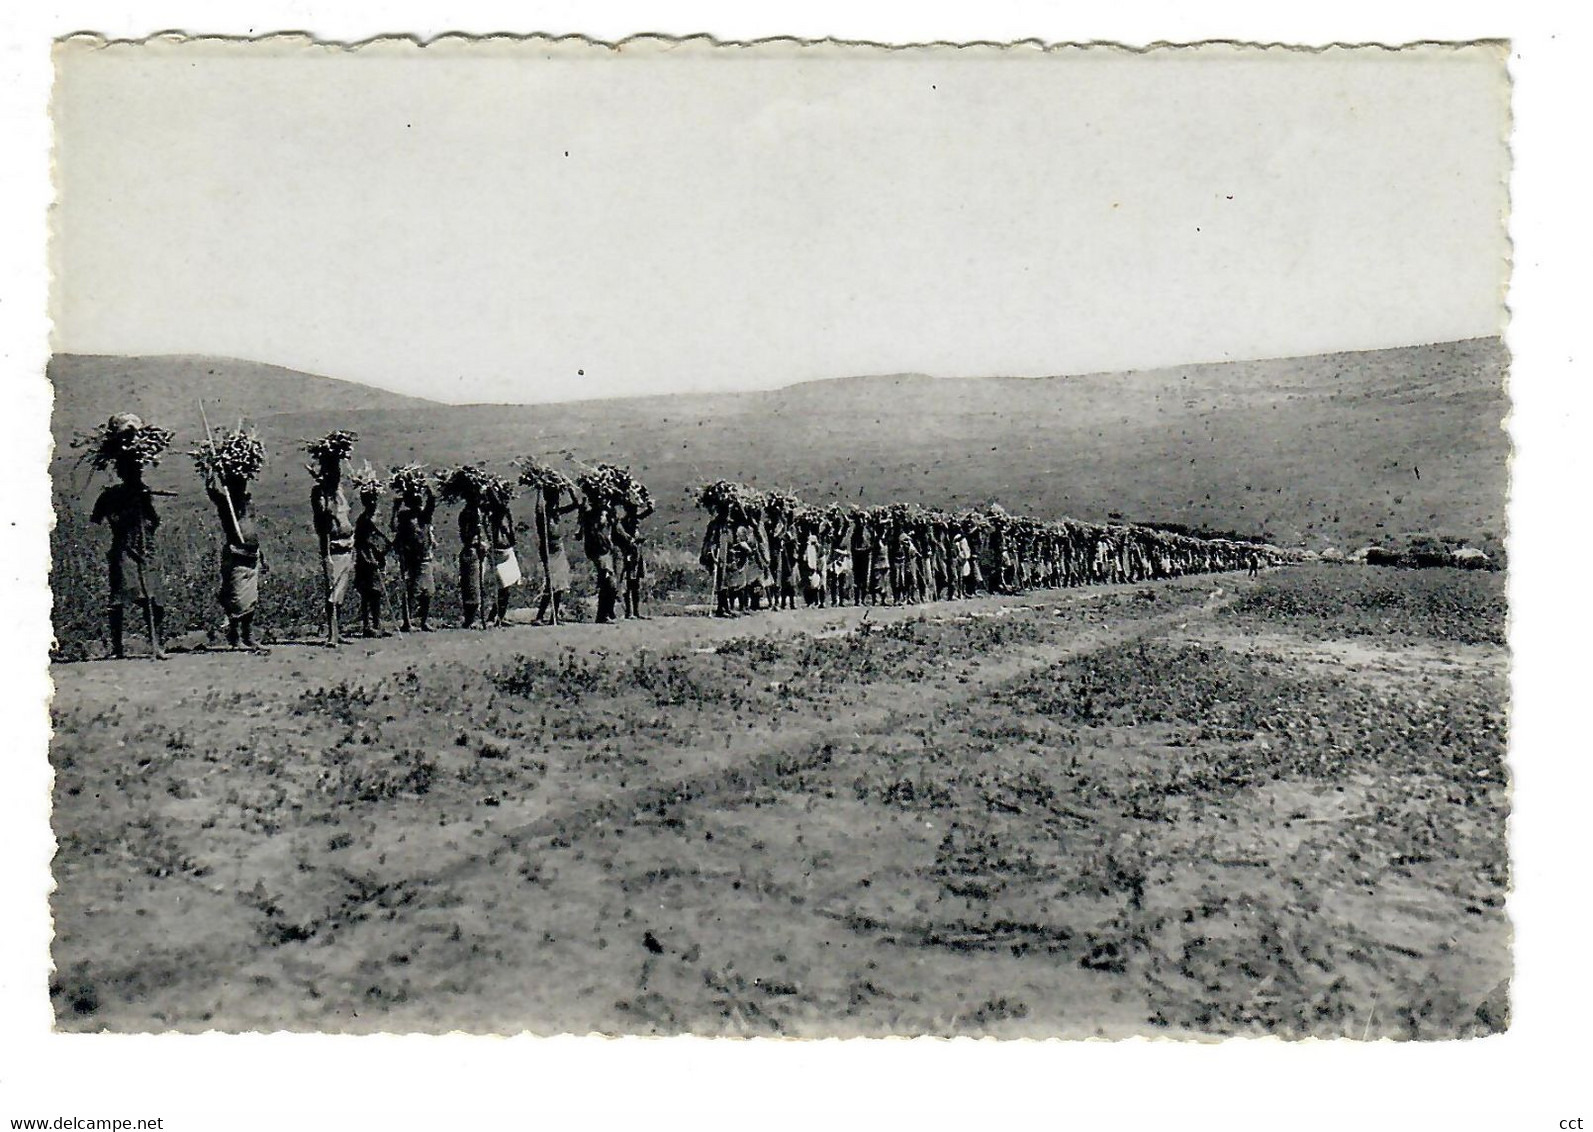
(524, 225)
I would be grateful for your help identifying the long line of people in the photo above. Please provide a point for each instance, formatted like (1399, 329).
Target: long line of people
(770, 550)
(762, 549)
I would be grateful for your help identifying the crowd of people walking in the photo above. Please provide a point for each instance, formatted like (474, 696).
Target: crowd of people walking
(762, 550)
(770, 550)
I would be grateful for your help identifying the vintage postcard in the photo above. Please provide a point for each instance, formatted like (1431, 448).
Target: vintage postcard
(791, 539)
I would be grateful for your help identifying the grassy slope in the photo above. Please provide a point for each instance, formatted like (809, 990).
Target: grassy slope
(1319, 449)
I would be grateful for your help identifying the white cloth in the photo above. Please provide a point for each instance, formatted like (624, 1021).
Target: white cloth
(508, 568)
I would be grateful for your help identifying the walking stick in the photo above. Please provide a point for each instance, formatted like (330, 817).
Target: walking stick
(149, 614)
(481, 584)
(544, 554)
(225, 494)
(718, 577)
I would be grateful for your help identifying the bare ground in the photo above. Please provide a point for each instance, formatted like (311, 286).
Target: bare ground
(1097, 812)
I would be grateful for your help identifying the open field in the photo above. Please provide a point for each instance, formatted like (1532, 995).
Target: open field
(1333, 450)
(1203, 807)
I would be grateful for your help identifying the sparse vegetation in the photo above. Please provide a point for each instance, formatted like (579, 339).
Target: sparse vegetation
(1019, 819)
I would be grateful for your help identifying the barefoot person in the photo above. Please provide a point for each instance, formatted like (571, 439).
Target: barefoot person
(464, 486)
(371, 547)
(725, 553)
(505, 572)
(127, 445)
(597, 538)
(415, 544)
(633, 560)
(605, 490)
(554, 558)
(715, 558)
(334, 529)
(227, 461)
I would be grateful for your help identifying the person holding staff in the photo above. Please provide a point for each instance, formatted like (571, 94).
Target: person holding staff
(227, 461)
(127, 445)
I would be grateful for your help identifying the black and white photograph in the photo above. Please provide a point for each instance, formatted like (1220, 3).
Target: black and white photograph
(793, 540)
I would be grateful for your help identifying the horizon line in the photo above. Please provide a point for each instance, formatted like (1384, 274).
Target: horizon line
(1498, 337)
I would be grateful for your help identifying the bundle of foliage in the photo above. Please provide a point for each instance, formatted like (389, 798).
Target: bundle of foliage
(782, 503)
(497, 490)
(368, 481)
(614, 486)
(230, 455)
(535, 474)
(123, 437)
(409, 481)
(722, 494)
(464, 484)
(337, 444)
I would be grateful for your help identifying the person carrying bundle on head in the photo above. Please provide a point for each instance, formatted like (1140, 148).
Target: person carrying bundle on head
(551, 488)
(127, 445)
(879, 558)
(779, 533)
(597, 539)
(838, 539)
(860, 544)
(726, 546)
(638, 505)
(334, 528)
(963, 581)
(227, 461)
(603, 490)
(371, 547)
(752, 550)
(811, 555)
(904, 578)
(464, 486)
(415, 544)
(496, 497)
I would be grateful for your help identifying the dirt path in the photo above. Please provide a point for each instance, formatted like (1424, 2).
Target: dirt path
(820, 822)
(295, 664)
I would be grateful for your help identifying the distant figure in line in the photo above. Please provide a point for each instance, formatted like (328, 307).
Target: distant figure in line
(550, 549)
(597, 537)
(371, 547)
(415, 543)
(473, 547)
(505, 563)
(334, 530)
(633, 561)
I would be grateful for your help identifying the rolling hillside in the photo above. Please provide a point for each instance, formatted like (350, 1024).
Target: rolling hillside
(168, 389)
(1335, 449)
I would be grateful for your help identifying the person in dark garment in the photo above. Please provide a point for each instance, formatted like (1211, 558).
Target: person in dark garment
(505, 572)
(633, 562)
(473, 548)
(597, 538)
(371, 547)
(415, 544)
(127, 508)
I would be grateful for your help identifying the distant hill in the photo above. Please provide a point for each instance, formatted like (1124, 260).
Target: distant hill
(1321, 450)
(167, 389)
